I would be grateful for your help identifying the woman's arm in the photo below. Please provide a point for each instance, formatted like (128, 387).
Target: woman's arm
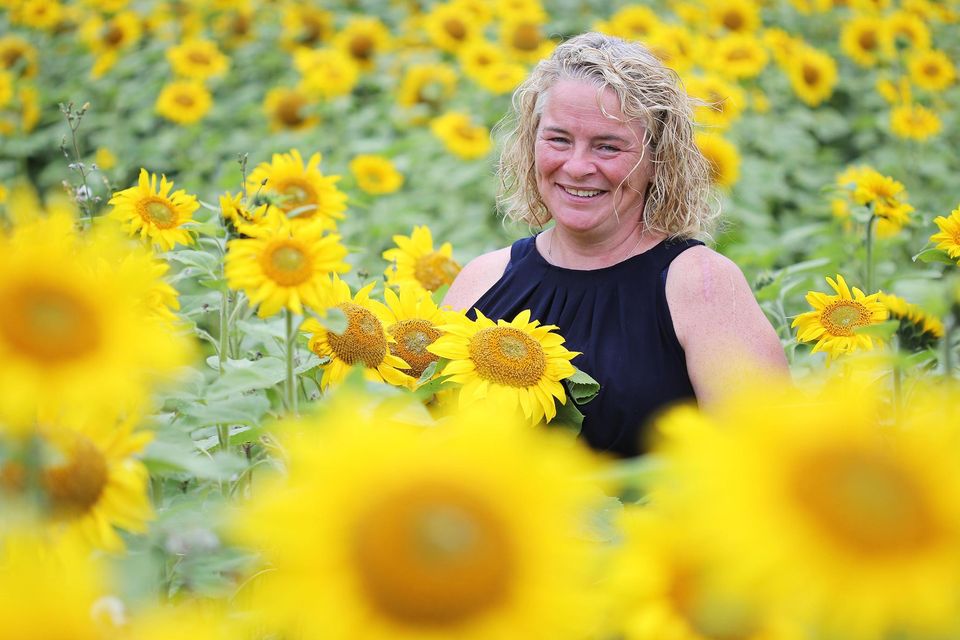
(476, 278)
(724, 333)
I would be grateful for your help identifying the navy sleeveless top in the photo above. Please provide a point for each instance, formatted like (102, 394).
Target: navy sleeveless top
(618, 318)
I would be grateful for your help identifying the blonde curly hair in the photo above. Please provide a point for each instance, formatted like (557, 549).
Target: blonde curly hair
(680, 201)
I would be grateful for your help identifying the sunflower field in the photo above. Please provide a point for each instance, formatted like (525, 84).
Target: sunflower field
(233, 405)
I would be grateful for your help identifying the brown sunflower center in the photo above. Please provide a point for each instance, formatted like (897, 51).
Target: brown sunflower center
(705, 608)
(841, 317)
(733, 20)
(412, 339)
(49, 325)
(362, 341)
(507, 356)
(434, 270)
(362, 47)
(740, 53)
(289, 110)
(865, 501)
(112, 35)
(157, 211)
(526, 37)
(297, 193)
(240, 24)
(868, 40)
(199, 57)
(185, 99)
(75, 484)
(286, 263)
(931, 70)
(10, 57)
(433, 556)
(455, 28)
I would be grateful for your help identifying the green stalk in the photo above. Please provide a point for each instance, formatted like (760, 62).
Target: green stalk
(869, 242)
(224, 330)
(947, 335)
(291, 388)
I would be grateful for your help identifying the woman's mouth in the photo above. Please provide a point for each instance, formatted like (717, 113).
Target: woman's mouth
(581, 193)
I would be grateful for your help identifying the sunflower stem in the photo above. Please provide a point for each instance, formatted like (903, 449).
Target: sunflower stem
(947, 335)
(224, 330)
(291, 386)
(869, 242)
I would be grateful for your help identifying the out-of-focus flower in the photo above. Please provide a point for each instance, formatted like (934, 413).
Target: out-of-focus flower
(866, 40)
(198, 60)
(376, 174)
(734, 16)
(460, 136)
(18, 56)
(813, 75)
(736, 56)
(723, 158)
(300, 190)
(363, 38)
(288, 109)
(427, 84)
(724, 100)
(914, 122)
(932, 70)
(184, 101)
(329, 73)
(524, 40)
(305, 27)
(451, 26)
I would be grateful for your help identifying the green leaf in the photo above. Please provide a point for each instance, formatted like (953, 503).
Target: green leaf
(335, 320)
(568, 417)
(169, 456)
(633, 473)
(582, 387)
(201, 260)
(245, 409)
(934, 255)
(244, 375)
(881, 330)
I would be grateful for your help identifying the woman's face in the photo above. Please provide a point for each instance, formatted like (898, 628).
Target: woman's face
(588, 164)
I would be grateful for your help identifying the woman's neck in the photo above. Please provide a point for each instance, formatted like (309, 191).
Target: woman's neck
(583, 251)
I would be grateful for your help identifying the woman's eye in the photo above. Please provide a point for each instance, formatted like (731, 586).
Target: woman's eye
(608, 148)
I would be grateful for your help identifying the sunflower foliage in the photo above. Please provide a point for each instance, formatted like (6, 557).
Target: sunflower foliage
(233, 403)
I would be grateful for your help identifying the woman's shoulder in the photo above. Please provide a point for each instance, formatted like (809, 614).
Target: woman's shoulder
(476, 277)
(701, 277)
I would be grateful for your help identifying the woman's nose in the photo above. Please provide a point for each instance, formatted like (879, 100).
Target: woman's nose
(579, 163)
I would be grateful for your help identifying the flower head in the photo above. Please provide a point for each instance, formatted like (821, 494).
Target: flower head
(835, 319)
(153, 212)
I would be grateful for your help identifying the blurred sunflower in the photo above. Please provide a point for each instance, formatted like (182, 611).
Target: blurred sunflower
(842, 508)
(460, 136)
(723, 158)
(724, 100)
(781, 44)
(866, 40)
(288, 109)
(894, 91)
(198, 60)
(885, 196)
(734, 16)
(524, 41)
(402, 533)
(633, 22)
(813, 75)
(427, 84)
(478, 55)
(68, 312)
(300, 189)
(414, 326)
(107, 38)
(104, 159)
(914, 122)
(948, 238)
(909, 29)
(46, 15)
(304, 26)
(363, 38)
(237, 212)
(514, 366)
(414, 261)
(235, 27)
(736, 55)
(364, 341)
(932, 70)
(501, 77)
(18, 56)
(329, 73)
(521, 9)
(835, 318)
(918, 329)
(481, 11)
(184, 101)
(281, 265)
(155, 213)
(375, 174)
(6, 88)
(674, 45)
(451, 26)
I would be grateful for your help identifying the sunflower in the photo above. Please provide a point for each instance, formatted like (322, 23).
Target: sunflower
(521, 9)
(826, 511)
(375, 174)
(298, 189)
(634, 22)
(734, 16)
(723, 158)
(18, 56)
(414, 261)
(414, 326)
(451, 27)
(284, 265)
(104, 159)
(110, 36)
(69, 311)
(329, 73)
(866, 40)
(6, 88)
(894, 91)
(524, 41)
(736, 55)
(288, 109)
(813, 75)
(914, 122)
(467, 530)
(235, 27)
(910, 29)
(932, 70)
(501, 78)
(427, 84)
(674, 45)
(918, 329)
(363, 39)
(184, 101)
(305, 27)
(948, 238)
(187, 619)
(835, 319)
(364, 342)
(665, 587)
(724, 101)
(155, 213)
(478, 55)
(872, 188)
(197, 60)
(782, 45)
(47, 15)
(516, 365)
(460, 136)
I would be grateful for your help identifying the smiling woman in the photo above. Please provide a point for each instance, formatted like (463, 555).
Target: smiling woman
(601, 142)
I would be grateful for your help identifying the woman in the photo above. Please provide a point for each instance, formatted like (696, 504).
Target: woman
(601, 143)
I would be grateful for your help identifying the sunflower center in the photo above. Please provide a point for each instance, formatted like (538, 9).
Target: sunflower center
(288, 111)
(811, 75)
(240, 25)
(864, 501)
(287, 264)
(11, 57)
(297, 193)
(312, 30)
(868, 41)
(434, 270)
(201, 58)
(706, 609)
(455, 28)
(733, 21)
(76, 484)
(156, 211)
(112, 35)
(433, 556)
(361, 47)
(362, 341)
(184, 99)
(412, 339)
(526, 37)
(931, 70)
(841, 317)
(507, 356)
(50, 325)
